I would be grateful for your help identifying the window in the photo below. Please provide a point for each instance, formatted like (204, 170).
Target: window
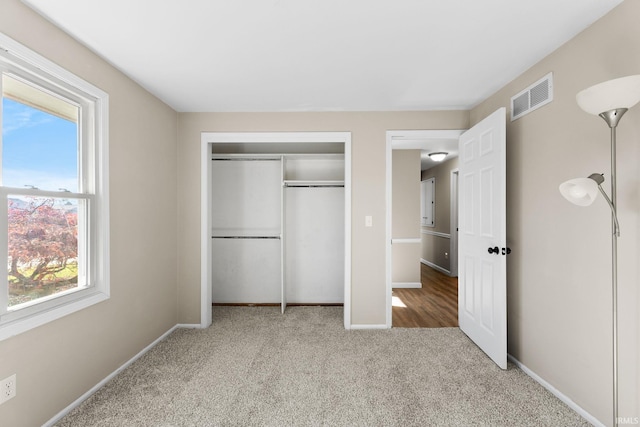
(428, 202)
(53, 191)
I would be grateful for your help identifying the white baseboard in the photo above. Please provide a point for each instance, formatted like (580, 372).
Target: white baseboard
(98, 386)
(557, 393)
(375, 326)
(435, 267)
(435, 233)
(188, 326)
(408, 285)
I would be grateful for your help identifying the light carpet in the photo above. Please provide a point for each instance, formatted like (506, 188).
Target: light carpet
(257, 367)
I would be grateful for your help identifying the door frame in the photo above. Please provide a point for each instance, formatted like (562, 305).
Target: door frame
(453, 248)
(207, 141)
(404, 139)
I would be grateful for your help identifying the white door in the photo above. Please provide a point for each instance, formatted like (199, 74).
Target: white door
(482, 261)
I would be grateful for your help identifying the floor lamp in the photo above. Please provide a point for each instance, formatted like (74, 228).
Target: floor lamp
(609, 100)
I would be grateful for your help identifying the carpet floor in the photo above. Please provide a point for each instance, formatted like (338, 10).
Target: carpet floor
(256, 367)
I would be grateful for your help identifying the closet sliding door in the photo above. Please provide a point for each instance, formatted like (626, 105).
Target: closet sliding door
(246, 218)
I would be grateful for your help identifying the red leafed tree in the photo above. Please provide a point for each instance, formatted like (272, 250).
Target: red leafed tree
(43, 239)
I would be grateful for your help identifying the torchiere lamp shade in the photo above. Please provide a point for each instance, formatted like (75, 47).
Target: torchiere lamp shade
(610, 95)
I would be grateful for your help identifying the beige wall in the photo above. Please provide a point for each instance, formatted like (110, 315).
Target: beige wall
(58, 362)
(368, 133)
(559, 284)
(405, 266)
(406, 194)
(405, 215)
(437, 249)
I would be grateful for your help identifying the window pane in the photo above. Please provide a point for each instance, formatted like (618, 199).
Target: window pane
(39, 139)
(43, 247)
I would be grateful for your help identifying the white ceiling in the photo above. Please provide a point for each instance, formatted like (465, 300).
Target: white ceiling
(322, 55)
(427, 141)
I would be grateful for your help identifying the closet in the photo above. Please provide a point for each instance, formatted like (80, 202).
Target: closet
(277, 217)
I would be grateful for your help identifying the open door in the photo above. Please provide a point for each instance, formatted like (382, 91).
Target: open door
(482, 264)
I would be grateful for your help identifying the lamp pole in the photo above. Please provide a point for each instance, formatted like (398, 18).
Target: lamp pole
(610, 100)
(612, 118)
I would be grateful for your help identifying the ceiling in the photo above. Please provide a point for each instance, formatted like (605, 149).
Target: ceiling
(322, 55)
(427, 141)
(426, 163)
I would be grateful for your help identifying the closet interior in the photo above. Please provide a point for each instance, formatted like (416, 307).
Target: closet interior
(278, 228)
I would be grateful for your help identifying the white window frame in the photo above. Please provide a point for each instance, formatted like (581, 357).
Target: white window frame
(93, 192)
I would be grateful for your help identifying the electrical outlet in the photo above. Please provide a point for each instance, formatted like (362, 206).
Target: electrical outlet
(7, 388)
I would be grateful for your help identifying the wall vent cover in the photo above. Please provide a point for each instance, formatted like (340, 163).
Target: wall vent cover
(535, 96)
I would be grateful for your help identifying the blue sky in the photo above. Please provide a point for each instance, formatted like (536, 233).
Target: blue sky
(38, 149)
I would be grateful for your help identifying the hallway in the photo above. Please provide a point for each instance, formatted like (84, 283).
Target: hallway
(435, 305)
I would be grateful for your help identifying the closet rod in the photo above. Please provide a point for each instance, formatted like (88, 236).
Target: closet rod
(246, 159)
(314, 186)
(246, 237)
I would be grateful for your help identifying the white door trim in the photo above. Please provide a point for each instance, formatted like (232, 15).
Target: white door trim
(410, 140)
(209, 138)
(453, 243)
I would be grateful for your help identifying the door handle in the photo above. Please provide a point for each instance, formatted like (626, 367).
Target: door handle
(506, 251)
(494, 250)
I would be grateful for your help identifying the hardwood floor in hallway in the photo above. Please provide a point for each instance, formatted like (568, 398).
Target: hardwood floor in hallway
(435, 305)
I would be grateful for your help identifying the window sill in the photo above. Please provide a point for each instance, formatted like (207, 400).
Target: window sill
(18, 326)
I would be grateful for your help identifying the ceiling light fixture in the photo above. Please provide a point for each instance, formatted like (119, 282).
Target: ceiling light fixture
(609, 100)
(438, 157)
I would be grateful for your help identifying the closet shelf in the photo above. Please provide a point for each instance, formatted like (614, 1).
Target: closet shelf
(313, 183)
(245, 157)
(244, 234)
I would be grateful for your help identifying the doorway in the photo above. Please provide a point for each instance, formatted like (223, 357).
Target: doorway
(433, 304)
(306, 142)
(434, 267)
(482, 302)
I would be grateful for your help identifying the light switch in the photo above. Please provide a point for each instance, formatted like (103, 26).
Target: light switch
(368, 221)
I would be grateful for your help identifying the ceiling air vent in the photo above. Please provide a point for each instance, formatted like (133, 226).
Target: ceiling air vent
(535, 96)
